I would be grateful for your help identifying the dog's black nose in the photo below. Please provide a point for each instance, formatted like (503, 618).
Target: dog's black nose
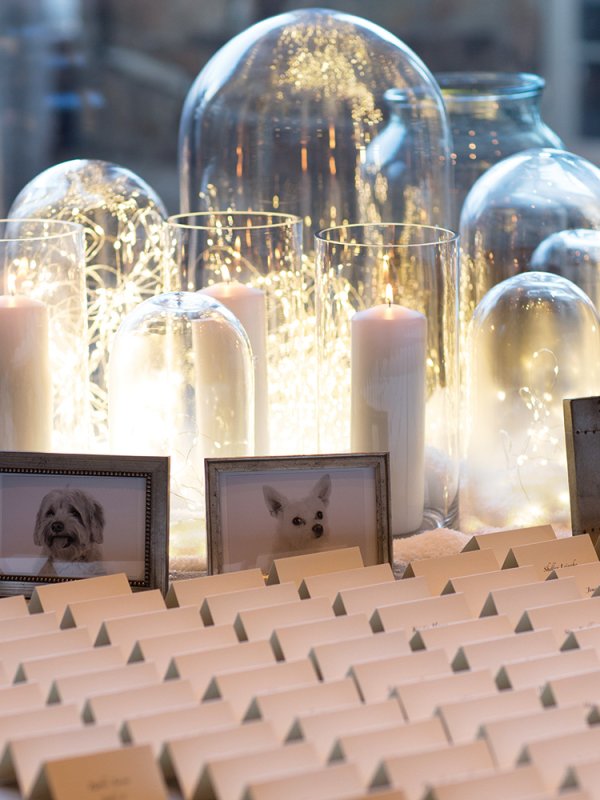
(57, 527)
(318, 531)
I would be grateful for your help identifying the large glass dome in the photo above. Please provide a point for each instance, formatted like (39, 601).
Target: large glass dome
(296, 114)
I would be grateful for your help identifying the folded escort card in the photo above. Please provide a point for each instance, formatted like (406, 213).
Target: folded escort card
(523, 782)
(587, 576)
(297, 568)
(365, 599)
(512, 600)
(14, 651)
(91, 614)
(324, 783)
(552, 755)
(502, 541)
(561, 617)
(376, 679)
(451, 635)
(57, 596)
(571, 689)
(551, 555)
(329, 584)
(160, 649)
(334, 659)
(78, 688)
(24, 627)
(296, 641)
(14, 606)
(21, 724)
(259, 623)
(193, 591)
(493, 652)
(125, 631)
(117, 706)
(415, 614)
(45, 669)
(419, 699)
(477, 587)
(536, 671)
(438, 571)
(222, 609)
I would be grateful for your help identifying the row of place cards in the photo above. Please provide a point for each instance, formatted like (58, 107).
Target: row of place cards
(475, 673)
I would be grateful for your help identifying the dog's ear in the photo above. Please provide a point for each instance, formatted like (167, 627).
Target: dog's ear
(37, 531)
(97, 523)
(322, 489)
(275, 501)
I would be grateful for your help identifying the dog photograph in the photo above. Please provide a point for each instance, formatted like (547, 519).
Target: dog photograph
(270, 508)
(71, 526)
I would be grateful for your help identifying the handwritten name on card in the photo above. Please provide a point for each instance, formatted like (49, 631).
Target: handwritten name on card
(512, 600)
(416, 614)
(587, 576)
(547, 556)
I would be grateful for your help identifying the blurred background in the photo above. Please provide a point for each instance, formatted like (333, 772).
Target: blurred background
(107, 78)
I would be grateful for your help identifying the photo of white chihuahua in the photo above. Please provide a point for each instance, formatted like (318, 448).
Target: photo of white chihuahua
(301, 523)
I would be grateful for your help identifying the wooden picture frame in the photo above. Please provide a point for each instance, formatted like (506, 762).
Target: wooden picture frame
(68, 516)
(265, 507)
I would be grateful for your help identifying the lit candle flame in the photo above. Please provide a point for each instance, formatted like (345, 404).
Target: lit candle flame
(225, 274)
(389, 294)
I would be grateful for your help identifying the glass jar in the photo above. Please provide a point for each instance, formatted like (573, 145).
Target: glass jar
(252, 263)
(123, 219)
(492, 115)
(288, 115)
(387, 333)
(574, 254)
(44, 383)
(535, 340)
(182, 385)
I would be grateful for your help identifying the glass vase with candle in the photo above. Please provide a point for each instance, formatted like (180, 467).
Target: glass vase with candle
(182, 385)
(387, 334)
(44, 383)
(288, 115)
(252, 263)
(534, 340)
(492, 115)
(123, 219)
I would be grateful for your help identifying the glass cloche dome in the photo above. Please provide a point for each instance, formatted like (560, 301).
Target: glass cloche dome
(295, 114)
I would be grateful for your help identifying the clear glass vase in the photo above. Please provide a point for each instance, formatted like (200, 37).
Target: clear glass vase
(252, 263)
(44, 382)
(182, 385)
(574, 254)
(123, 220)
(492, 115)
(292, 115)
(388, 377)
(535, 340)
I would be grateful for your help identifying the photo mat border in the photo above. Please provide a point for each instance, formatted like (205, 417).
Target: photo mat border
(215, 467)
(153, 469)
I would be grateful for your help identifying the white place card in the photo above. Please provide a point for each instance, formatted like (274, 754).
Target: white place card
(78, 688)
(438, 571)
(92, 613)
(330, 584)
(507, 737)
(502, 541)
(120, 705)
(160, 649)
(21, 697)
(535, 672)
(493, 652)
(584, 777)
(282, 706)
(127, 773)
(449, 636)
(327, 783)
(463, 718)
(27, 755)
(376, 679)
(200, 667)
(415, 614)
(414, 772)
(365, 599)
(24, 627)
(553, 755)
(14, 651)
(572, 689)
(21, 724)
(587, 576)
(193, 591)
(547, 556)
(14, 606)
(45, 669)
(322, 728)
(297, 568)
(367, 749)
(333, 660)
(57, 596)
(222, 609)
(240, 686)
(513, 600)
(157, 729)
(259, 623)
(296, 641)
(518, 784)
(186, 756)
(476, 587)
(226, 778)
(125, 631)
(562, 618)
(4, 679)
(583, 637)
(419, 699)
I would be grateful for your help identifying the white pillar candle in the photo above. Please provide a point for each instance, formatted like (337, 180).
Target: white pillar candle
(388, 402)
(25, 382)
(248, 304)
